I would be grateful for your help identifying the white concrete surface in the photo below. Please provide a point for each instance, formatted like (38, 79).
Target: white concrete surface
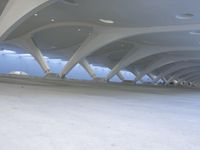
(101, 118)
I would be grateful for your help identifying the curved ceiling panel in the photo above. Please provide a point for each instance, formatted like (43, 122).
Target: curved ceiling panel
(62, 38)
(145, 62)
(167, 39)
(126, 13)
(3, 5)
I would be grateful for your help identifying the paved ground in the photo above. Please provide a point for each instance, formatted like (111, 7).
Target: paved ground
(101, 118)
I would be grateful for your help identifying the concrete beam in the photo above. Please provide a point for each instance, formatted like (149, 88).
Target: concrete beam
(16, 12)
(196, 79)
(179, 75)
(121, 77)
(110, 65)
(27, 44)
(141, 53)
(192, 77)
(175, 67)
(88, 68)
(165, 61)
(103, 36)
(95, 41)
(187, 75)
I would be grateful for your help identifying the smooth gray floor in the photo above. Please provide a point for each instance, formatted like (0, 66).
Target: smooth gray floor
(101, 118)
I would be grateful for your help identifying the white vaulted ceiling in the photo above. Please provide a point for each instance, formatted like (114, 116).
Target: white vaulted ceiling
(138, 35)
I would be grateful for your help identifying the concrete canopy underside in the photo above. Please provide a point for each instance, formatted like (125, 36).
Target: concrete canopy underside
(143, 43)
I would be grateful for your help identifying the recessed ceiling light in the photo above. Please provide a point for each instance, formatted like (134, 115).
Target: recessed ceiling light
(52, 19)
(184, 16)
(195, 32)
(79, 30)
(35, 14)
(106, 21)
